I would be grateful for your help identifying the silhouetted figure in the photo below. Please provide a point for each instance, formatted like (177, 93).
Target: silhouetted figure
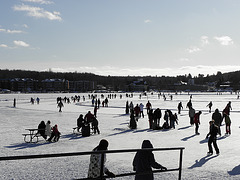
(144, 161)
(94, 170)
(213, 131)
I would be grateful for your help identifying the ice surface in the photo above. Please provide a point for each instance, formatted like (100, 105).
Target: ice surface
(113, 124)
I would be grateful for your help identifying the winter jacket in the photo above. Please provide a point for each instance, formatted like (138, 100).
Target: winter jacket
(191, 112)
(197, 118)
(95, 165)
(48, 129)
(213, 131)
(217, 117)
(227, 119)
(144, 161)
(141, 107)
(157, 113)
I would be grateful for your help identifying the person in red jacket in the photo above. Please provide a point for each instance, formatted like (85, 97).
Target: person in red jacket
(197, 121)
(55, 134)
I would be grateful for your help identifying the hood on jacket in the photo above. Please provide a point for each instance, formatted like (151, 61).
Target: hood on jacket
(147, 144)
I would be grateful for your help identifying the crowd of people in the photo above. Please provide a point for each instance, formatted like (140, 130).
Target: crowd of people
(143, 161)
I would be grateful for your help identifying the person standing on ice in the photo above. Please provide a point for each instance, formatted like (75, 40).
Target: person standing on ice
(227, 109)
(191, 114)
(213, 131)
(180, 107)
(197, 121)
(127, 108)
(210, 106)
(228, 124)
(144, 161)
(60, 105)
(132, 124)
(141, 109)
(14, 102)
(148, 106)
(217, 117)
(150, 118)
(80, 122)
(94, 170)
(157, 116)
(189, 104)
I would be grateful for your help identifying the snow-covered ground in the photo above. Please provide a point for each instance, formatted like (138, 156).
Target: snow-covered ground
(114, 127)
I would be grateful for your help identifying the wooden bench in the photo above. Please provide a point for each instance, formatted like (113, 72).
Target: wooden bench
(31, 138)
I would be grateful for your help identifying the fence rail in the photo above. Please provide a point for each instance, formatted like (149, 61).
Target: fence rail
(179, 169)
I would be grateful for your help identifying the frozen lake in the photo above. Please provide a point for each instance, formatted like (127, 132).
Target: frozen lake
(113, 124)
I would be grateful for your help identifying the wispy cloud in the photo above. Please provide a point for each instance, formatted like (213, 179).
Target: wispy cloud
(39, 1)
(193, 49)
(115, 71)
(204, 40)
(147, 21)
(38, 12)
(224, 40)
(25, 25)
(3, 46)
(11, 31)
(21, 43)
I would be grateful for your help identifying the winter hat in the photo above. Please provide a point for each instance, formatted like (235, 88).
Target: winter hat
(147, 144)
(103, 145)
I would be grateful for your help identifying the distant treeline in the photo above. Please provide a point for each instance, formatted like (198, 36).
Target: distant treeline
(116, 82)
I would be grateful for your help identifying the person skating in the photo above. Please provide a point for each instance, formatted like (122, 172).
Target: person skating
(150, 118)
(227, 109)
(141, 106)
(60, 105)
(217, 117)
(213, 131)
(95, 126)
(191, 114)
(189, 104)
(180, 107)
(157, 117)
(228, 124)
(148, 106)
(210, 106)
(197, 122)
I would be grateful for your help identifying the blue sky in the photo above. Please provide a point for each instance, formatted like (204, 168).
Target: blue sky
(121, 37)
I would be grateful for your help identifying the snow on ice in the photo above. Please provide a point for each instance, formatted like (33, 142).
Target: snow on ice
(113, 125)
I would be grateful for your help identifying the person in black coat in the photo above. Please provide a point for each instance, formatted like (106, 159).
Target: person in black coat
(217, 117)
(144, 161)
(213, 131)
(41, 129)
(133, 123)
(157, 117)
(95, 126)
(80, 122)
